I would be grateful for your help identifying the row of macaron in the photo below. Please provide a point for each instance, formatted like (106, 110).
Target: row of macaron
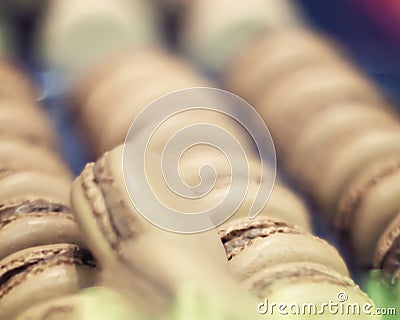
(69, 35)
(272, 254)
(42, 252)
(334, 132)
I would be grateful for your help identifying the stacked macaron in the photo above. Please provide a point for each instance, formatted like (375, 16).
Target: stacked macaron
(42, 254)
(333, 130)
(110, 97)
(74, 35)
(145, 263)
(274, 255)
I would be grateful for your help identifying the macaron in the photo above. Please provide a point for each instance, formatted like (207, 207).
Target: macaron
(387, 250)
(13, 155)
(34, 222)
(367, 206)
(114, 130)
(304, 290)
(211, 33)
(73, 36)
(26, 124)
(269, 56)
(348, 155)
(332, 121)
(18, 185)
(14, 83)
(98, 303)
(40, 273)
(123, 240)
(254, 245)
(310, 90)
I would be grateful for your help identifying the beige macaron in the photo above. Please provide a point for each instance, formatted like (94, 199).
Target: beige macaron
(19, 184)
(271, 55)
(14, 154)
(34, 222)
(27, 124)
(346, 157)
(41, 273)
(368, 204)
(332, 121)
(261, 243)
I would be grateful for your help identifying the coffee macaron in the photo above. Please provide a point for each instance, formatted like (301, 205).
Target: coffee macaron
(121, 238)
(39, 273)
(368, 205)
(128, 86)
(335, 133)
(34, 222)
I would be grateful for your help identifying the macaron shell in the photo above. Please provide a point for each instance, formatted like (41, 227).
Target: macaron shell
(329, 122)
(284, 248)
(53, 281)
(352, 156)
(13, 155)
(268, 56)
(30, 126)
(368, 205)
(287, 115)
(260, 282)
(31, 183)
(386, 240)
(88, 223)
(114, 131)
(37, 229)
(14, 84)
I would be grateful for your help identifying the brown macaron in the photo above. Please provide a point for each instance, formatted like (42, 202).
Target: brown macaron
(269, 56)
(367, 206)
(34, 222)
(254, 245)
(40, 273)
(17, 185)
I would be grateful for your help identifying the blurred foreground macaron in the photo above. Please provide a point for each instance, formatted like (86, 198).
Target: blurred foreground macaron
(74, 35)
(367, 206)
(212, 31)
(124, 240)
(14, 154)
(387, 252)
(34, 222)
(97, 303)
(271, 56)
(41, 273)
(255, 245)
(14, 83)
(17, 185)
(27, 124)
(336, 119)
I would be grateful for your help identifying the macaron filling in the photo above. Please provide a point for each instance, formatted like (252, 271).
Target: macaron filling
(349, 210)
(237, 239)
(14, 271)
(35, 207)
